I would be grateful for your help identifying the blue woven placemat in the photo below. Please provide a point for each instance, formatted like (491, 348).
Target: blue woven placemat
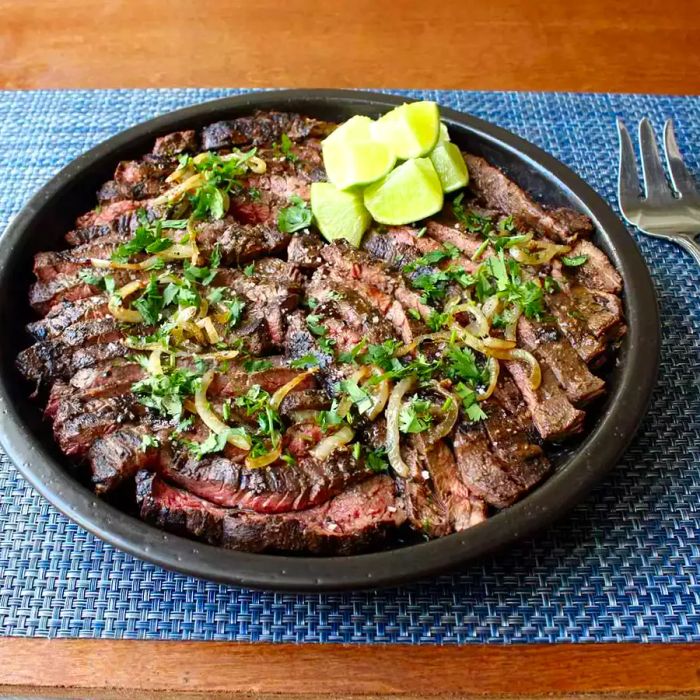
(624, 566)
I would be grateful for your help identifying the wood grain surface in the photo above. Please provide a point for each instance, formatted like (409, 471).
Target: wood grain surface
(102, 669)
(581, 45)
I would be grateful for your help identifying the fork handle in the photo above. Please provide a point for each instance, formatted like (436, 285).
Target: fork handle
(691, 245)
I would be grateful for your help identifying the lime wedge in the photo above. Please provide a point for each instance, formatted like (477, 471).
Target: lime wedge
(350, 163)
(450, 166)
(444, 134)
(411, 130)
(357, 128)
(408, 193)
(339, 214)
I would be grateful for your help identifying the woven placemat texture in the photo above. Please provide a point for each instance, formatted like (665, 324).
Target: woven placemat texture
(624, 566)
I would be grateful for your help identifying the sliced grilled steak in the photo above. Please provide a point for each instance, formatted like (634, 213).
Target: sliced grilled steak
(240, 243)
(304, 250)
(467, 243)
(597, 272)
(65, 314)
(481, 470)
(354, 521)
(176, 143)
(552, 413)
(496, 191)
(511, 433)
(356, 265)
(425, 510)
(77, 424)
(116, 457)
(275, 489)
(138, 180)
(463, 507)
(545, 341)
(261, 128)
(49, 359)
(388, 307)
(48, 265)
(347, 315)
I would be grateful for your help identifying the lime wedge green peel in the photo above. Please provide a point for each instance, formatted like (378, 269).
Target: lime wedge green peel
(357, 128)
(450, 166)
(411, 130)
(339, 214)
(410, 192)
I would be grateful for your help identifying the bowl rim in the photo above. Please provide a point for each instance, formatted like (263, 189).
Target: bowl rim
(598, 452)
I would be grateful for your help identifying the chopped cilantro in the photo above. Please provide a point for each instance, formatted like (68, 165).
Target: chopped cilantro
(474, 223)
(165, 393)
(150, 303)
(415, 416)
(304, 362)
(148, 442)
(285, 149)
(248, 270)
(294, 217)
(235, 311)
(362, 400)
(377, 461)
(257, 365)
(575, 261)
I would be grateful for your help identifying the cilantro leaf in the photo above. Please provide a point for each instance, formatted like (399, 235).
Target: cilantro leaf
(575, 261)
(415, 416)
(304, 362)
(294, 217)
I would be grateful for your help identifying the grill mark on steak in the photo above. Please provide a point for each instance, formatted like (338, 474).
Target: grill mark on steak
(353, 521)
(279, 488)
(77, 424)
(552, 413)
(480, 468)
(597, 272)
(495, 190)
(116, 457)
(545, 342)
(464, 508)
(304, 250)
(240, 243)
(65, 314)
(49, 359)
(353, 265)
(261, 128)
(176, 143)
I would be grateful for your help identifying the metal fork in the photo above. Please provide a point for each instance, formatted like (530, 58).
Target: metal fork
(666, 212)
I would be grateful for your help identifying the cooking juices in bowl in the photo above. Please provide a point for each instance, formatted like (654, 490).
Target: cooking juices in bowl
(203, 352)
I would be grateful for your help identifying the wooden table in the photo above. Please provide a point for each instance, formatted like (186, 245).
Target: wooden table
(587, 45)
(580, 45)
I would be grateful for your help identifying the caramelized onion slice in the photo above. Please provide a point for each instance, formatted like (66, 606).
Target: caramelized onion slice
(450, 415)
(264, 460)
(210, 419)
(281, 393)
(393, 438)
(331, 443)
(115, 303)
(494, 370)
(529, 359)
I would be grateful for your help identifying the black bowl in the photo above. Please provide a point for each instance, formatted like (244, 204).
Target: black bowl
(44, 220)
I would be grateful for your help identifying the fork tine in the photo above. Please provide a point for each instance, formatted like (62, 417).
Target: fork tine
(655, 184)
(627, 184)
(682, 179)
